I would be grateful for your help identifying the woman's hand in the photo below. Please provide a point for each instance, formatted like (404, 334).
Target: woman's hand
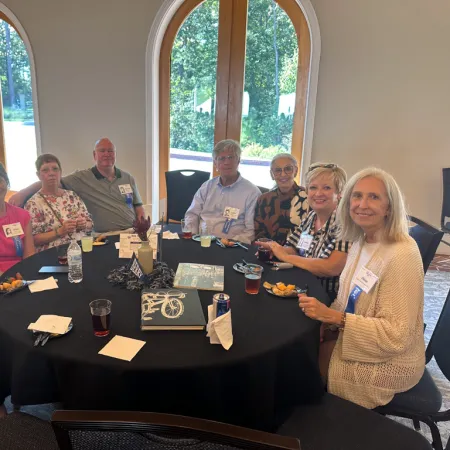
(318, 311)
(81, 223)
(68, 226)
(278, 251)
(264, 244)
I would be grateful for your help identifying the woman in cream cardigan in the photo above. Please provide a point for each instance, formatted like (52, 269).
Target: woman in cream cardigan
(372, 344)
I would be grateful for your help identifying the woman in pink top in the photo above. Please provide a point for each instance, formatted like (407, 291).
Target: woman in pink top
(16, 239)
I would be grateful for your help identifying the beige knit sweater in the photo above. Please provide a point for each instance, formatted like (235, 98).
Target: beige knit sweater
(381, 351)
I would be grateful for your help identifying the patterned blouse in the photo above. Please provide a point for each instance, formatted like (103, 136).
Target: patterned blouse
(278, 214)
(323, 243)
(67, 206)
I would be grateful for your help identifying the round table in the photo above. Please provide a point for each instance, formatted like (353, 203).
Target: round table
(271, 366)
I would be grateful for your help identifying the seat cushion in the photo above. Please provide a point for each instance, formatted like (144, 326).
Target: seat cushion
(424, 397)
(338, 424)
(19, 431)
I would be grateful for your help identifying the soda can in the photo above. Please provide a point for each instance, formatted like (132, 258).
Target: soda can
(221, 304)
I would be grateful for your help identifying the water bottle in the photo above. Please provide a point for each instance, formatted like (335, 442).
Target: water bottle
(75, 262)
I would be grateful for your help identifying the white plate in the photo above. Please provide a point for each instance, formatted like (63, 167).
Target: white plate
(196, 238)
(226, 246)
(237, 267)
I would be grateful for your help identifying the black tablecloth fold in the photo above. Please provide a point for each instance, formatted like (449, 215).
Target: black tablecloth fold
(271, 365)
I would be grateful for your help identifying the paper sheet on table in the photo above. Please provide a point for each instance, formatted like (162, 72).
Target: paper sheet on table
(121, 347)
(43, 285)
(130, 243)
(51, 324)
(220, 330)
(170, 235)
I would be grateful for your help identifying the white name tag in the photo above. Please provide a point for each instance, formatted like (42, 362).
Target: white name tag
(231, 213)
(305, 241)
(366, 279)
(13, 229)
(125, 189)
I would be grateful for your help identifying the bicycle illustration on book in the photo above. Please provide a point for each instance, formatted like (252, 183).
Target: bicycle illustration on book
(170, 300)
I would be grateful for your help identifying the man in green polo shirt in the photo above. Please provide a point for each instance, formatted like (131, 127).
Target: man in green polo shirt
(110, 194)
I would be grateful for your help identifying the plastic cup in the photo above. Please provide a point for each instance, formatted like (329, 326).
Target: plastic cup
(252, 278)
(86, 243)
(186, 233)
(205, 237)
(101, 316)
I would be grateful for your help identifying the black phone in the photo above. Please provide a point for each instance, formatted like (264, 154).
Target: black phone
(54, 269)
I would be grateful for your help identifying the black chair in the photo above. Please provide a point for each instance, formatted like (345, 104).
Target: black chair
(428, 239)
(104, 430)
(337, 424)
(263, 189)
(181, 187)
(445, 213)
(423, 402)
(20, 431)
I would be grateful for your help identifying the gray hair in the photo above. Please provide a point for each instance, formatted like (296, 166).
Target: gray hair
(227, 144)
(284, 155)
(318, 169)
(396, 223)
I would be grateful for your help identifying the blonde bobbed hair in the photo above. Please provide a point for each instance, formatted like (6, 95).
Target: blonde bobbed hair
(318, 169)
(396, 222)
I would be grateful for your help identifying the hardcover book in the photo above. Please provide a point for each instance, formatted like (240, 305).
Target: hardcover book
(171, 309)
(199, 276)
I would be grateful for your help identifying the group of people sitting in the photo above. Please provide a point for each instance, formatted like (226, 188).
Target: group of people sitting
(352, 235)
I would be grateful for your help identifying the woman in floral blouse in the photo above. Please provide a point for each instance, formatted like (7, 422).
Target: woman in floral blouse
(57, 215)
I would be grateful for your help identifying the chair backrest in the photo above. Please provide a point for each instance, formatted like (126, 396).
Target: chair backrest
(446, 199)
(181, 187)
(101, 430)
(428, 239)
(440, 340)
(263, 189)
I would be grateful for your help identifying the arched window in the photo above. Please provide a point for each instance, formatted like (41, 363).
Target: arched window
(236, 69)
(18, 129)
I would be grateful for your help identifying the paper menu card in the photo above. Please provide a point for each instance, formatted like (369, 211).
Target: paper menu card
(49, 323)
(130, 243)
(220, 330)
(121, 347)
(43, 285)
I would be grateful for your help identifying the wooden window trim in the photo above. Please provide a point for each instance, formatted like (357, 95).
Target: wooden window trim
(230, 76)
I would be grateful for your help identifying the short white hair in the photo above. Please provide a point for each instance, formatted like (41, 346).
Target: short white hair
(396, 223)
(227, 144)
(284, 155)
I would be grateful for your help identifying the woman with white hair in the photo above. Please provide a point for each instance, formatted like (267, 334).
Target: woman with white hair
(283, 208)
(314, 245)
(372, 335)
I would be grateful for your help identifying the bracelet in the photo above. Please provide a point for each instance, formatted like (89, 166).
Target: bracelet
(343, 320)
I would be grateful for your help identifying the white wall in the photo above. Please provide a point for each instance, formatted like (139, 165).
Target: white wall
(383, 93)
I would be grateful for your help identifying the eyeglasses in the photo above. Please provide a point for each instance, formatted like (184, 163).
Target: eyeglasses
(48, 170)
(222, 159)
(288, 170)
(325, 166)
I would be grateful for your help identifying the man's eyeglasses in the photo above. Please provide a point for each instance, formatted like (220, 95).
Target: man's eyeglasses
(288, 170)
(324, 166)
(222, 159)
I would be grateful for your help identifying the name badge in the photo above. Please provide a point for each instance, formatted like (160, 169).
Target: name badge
(366, 279)
(231, 213)
(12, 230)
(305, 241)
(125, 189)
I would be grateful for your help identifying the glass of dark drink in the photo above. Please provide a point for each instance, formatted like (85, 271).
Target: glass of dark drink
(186, 233)
(253, 274)
(101, 316)
(264, 254)
(62, 254)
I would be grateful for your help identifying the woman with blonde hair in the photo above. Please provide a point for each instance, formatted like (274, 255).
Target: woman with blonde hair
(372, 334)
(314, 245)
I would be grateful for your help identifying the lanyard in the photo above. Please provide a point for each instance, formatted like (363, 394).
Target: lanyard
(352, 298)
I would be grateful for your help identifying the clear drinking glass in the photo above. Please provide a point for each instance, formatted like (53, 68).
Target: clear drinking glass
(252, 278)
(185, 230)
(101, 316)
(205, 236)
(86, 243)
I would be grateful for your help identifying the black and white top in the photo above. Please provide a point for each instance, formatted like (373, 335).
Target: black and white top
(324, 241)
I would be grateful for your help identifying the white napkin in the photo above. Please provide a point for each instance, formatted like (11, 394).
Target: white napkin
(51, 324)
(220, 330)
(169, 235)
(117, 244)
(43, 285)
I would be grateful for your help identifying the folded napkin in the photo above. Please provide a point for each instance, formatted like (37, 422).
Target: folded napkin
(220, 330)
(43, 285)
(170, 235)
(49, 323)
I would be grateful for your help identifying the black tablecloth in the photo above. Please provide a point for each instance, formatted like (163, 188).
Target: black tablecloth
(271, 365)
